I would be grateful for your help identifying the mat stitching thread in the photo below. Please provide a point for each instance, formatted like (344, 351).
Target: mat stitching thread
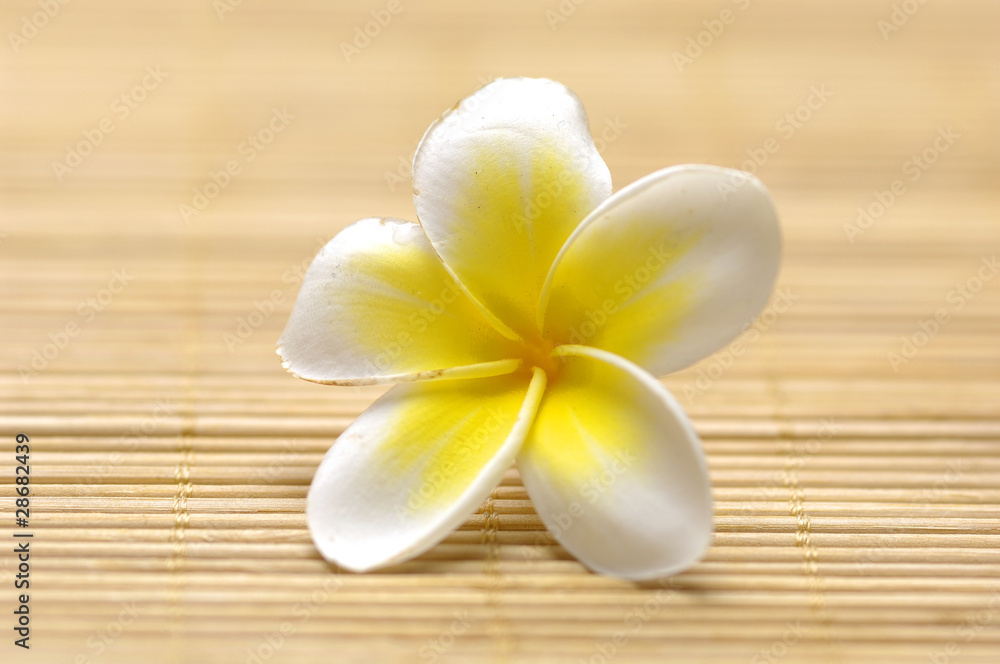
(497, 626)
(803, 531)
(178, 550)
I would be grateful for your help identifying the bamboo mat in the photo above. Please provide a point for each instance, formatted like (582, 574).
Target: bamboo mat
(857, 493)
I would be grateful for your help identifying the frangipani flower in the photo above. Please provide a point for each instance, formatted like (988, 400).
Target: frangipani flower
(525, 318)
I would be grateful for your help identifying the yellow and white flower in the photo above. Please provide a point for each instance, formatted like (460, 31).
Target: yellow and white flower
(525, 318)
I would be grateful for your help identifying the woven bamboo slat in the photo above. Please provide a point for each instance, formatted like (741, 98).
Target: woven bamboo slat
(857, 496)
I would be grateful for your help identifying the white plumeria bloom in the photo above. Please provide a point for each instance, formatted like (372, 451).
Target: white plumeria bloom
(525, 317)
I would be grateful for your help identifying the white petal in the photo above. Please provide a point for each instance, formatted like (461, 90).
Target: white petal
(615, 469)
(500, 182)
(669, 269)
(412, 467)
(377, 306)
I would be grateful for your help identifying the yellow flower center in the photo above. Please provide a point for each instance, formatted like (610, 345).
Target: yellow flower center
(537, 352)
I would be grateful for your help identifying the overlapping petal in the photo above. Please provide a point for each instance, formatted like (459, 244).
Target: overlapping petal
(412, 467)
(377, 306)
(668, 270)
(615, 470)
(500, 182)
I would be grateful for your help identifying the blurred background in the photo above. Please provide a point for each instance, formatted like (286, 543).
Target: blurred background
(169, 170)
